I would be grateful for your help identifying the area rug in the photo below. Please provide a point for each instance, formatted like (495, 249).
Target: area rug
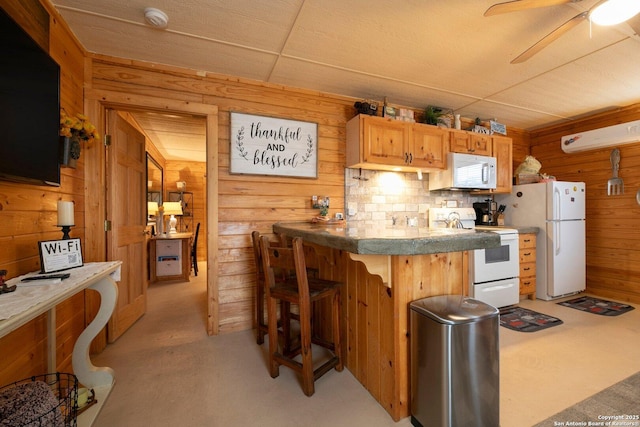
(525, 320)
(616, 405)
(597, 306)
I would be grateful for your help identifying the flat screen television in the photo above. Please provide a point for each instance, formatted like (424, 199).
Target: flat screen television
(29, 108)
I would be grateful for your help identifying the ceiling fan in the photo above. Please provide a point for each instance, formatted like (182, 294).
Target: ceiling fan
(629, 9)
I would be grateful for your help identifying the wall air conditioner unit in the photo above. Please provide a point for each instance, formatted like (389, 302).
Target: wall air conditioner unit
(623, 133)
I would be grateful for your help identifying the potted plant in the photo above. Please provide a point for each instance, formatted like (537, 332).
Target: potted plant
(431, 115)
(74, 129)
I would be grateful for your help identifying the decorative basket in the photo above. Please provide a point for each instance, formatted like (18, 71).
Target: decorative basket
(528, 178)
(41, 400)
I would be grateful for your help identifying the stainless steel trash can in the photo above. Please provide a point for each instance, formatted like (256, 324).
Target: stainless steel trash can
(455, 379)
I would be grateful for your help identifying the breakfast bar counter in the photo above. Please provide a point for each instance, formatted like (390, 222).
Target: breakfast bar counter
(364, 238)
(383, 270)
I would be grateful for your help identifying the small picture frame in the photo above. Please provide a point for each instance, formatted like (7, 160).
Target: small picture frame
(58, 255)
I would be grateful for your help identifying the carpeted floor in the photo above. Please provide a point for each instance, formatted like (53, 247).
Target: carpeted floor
(618, 405)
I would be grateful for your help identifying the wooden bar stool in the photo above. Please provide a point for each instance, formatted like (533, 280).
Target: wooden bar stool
(285, 308)
(260, 285)
(299, 289)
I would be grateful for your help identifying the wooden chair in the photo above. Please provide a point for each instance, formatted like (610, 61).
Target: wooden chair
(299, 289)
(285, 309)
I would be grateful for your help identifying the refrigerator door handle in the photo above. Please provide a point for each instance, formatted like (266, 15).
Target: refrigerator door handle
(556, 204)
(556, 237)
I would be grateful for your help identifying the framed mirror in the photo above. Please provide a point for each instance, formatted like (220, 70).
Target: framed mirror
(155, 181)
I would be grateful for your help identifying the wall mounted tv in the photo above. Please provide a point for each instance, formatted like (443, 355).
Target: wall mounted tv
(29, 108)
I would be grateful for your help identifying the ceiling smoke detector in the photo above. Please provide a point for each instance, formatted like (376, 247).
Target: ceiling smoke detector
(156, 18)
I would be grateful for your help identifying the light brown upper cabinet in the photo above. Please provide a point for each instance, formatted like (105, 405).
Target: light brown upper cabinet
(429, 146)
(386, 144)
(502, 150)
(469, 142)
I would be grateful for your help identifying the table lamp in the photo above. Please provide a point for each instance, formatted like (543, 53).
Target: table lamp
(66, 218)
(152, 209)
(173, 209)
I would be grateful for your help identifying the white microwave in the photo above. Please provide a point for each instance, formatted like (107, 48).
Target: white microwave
(465, 172)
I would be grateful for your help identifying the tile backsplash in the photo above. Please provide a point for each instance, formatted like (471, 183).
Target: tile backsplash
(381, 197)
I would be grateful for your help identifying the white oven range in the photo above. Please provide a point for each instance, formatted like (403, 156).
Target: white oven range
(493, 272)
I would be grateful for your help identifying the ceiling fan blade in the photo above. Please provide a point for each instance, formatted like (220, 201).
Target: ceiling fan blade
(516, 5)
(550, 38)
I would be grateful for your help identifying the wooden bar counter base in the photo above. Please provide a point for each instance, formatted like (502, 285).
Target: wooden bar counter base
(384, 269)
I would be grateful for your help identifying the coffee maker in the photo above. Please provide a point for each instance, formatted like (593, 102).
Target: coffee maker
(485, 212)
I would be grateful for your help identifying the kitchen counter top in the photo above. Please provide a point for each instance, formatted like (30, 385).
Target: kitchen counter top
(366, 238)
(521, 229)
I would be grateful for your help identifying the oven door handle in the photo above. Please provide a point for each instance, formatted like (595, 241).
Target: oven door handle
(498, 287)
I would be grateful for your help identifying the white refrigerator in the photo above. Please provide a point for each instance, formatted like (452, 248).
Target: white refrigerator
(557, 208)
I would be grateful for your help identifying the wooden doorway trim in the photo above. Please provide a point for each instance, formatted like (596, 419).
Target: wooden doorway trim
(96, 104)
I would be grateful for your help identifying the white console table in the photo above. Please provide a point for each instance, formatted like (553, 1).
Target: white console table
(32, 299)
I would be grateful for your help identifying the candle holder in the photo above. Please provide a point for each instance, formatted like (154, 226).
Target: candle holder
(65, 231)
(65, 218)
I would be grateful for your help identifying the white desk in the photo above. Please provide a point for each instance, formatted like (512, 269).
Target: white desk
(30, 301)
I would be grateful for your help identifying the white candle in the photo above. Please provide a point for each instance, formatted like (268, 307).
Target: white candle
(65, 213)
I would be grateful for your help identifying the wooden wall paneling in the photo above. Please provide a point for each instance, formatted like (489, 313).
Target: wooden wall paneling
(27, 346)
(32, 17)
(29, 211)
(195, 175)
(612, 244)
(249, 202)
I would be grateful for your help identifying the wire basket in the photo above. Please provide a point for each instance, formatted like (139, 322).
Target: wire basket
(41, 400)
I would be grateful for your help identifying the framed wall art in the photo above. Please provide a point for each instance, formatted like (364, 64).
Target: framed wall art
(263, 145)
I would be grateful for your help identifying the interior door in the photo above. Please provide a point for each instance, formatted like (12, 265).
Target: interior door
(126, 209)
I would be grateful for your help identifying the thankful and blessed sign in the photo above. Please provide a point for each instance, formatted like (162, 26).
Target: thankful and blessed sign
(56, 255)
(270, 146)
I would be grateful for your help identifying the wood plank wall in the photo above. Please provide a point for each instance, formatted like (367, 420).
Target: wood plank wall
(246, 203)
(613, 235)
(195, 175)
(28, 212)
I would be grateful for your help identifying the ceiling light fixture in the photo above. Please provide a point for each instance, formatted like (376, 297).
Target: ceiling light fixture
(156, 18)
(613, 12)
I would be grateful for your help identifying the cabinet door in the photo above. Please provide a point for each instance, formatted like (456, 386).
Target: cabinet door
(459, 141)
(429, 147)
(480, 144)
(385, 141)
(503, 152)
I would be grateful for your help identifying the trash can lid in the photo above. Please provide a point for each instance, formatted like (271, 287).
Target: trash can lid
(454, 309)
